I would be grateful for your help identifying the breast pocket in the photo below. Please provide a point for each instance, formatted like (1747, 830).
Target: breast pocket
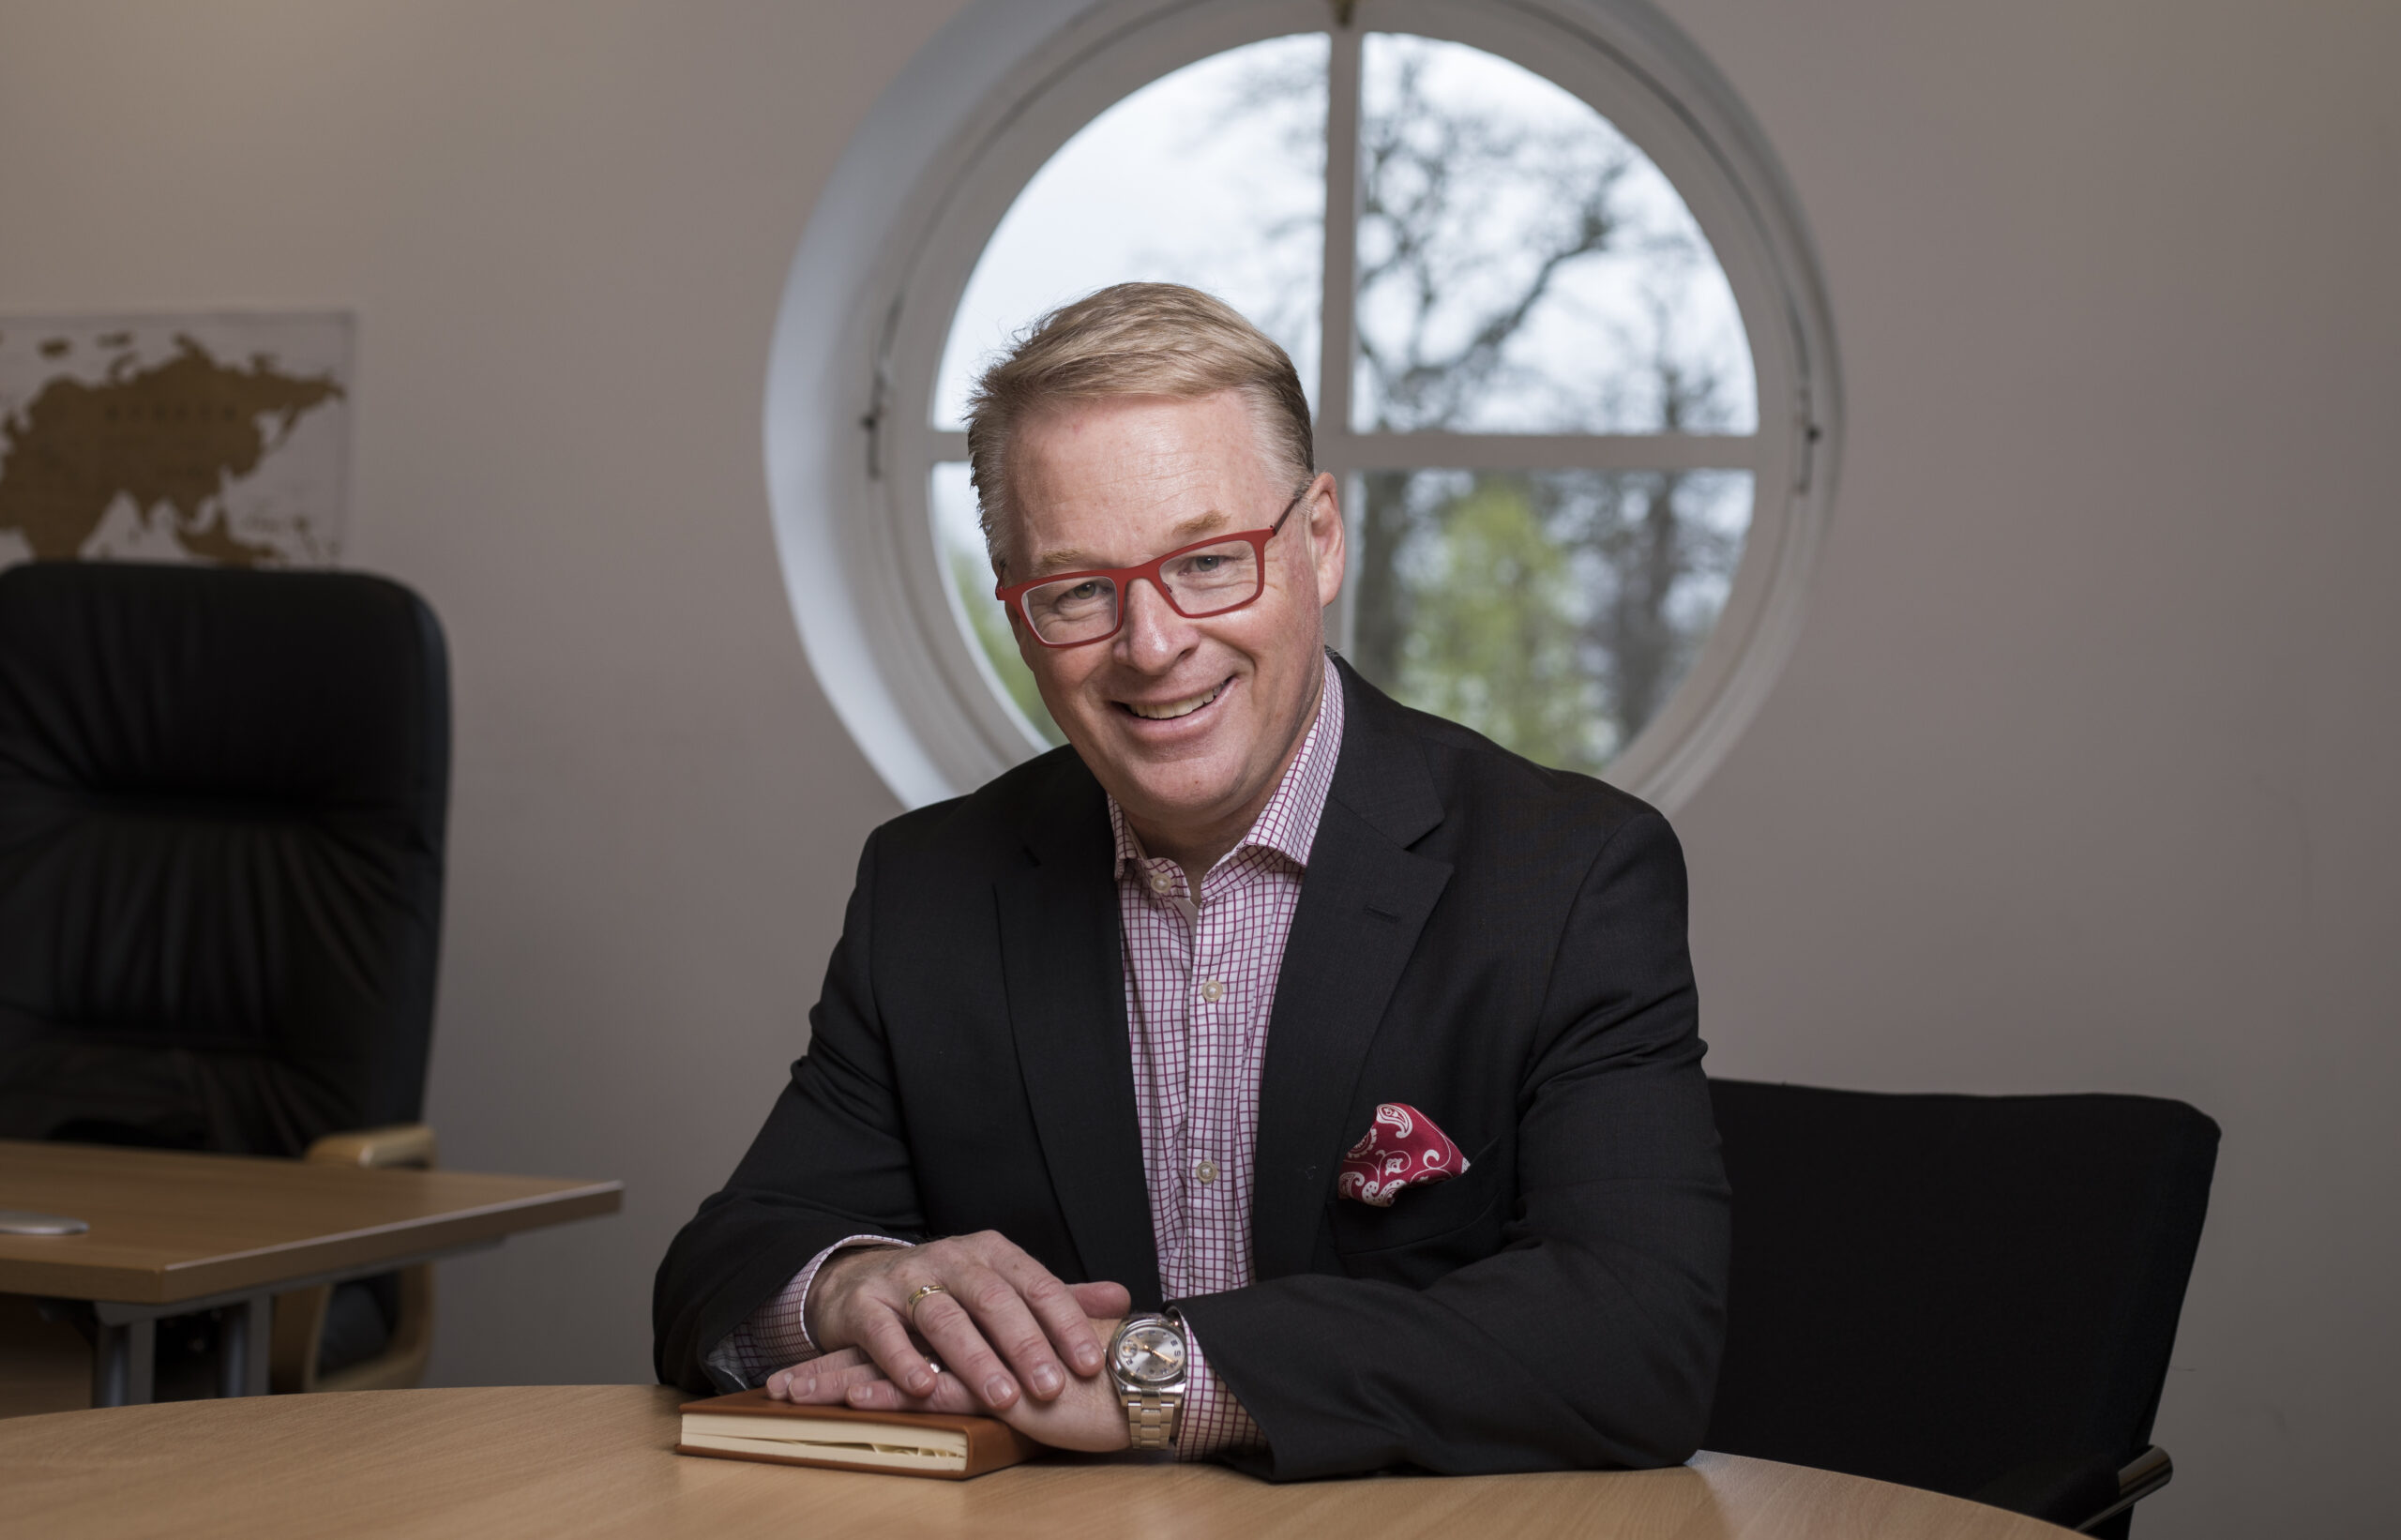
(1429, 1230)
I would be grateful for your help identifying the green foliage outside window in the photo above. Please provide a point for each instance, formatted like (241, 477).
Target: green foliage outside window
(1493, 639)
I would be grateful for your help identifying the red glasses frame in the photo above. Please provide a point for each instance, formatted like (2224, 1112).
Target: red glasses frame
(1013, 594)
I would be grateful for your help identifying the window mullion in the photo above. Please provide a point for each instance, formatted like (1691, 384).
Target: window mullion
(1338, 321)
(1336, 329)
(1454, 451)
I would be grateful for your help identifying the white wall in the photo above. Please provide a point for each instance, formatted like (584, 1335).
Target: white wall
(2081, 777)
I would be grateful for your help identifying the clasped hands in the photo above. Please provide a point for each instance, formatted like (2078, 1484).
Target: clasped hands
(1006, 1337)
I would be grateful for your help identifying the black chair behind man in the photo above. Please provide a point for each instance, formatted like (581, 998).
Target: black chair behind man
(223, 797)
(1972, 1295)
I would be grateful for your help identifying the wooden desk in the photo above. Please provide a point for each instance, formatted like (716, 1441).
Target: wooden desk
(594, 1461)
(174, 1233)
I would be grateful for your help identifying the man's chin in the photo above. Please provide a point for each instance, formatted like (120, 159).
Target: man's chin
(1189, 788)
(1178, 794)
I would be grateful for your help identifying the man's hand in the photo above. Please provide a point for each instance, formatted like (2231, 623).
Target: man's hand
(993, 1297)
(1088, 1415)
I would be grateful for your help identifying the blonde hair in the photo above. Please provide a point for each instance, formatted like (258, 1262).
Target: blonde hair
(1132, 339)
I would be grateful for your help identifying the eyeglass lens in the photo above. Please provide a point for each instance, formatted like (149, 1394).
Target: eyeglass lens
(1206, 581)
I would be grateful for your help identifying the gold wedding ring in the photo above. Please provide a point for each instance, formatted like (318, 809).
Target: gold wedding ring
(923, 1291)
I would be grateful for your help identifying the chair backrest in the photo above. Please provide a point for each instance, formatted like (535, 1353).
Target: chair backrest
(1941, 1290)
(222, 795)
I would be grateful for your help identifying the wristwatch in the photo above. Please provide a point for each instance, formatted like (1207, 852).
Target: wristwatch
(1146, 1359)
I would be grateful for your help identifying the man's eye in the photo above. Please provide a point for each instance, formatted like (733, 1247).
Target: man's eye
(1080, 595)
(1211, 567)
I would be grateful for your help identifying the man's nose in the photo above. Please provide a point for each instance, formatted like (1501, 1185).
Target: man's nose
(1154, 635)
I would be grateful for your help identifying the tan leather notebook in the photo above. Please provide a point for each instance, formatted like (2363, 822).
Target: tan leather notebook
(748, 1426)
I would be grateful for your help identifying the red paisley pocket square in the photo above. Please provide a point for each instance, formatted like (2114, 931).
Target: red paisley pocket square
(1402, 1148)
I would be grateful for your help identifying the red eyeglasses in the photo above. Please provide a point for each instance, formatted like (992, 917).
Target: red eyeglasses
(1076, 608)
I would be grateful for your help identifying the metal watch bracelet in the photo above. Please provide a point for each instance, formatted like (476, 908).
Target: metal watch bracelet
(1150, 1420)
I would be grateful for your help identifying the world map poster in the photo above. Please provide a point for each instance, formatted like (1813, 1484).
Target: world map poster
(211, 438)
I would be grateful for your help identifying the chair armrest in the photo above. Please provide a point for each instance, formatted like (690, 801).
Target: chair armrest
(2146, 1473)
(2078, 1494)
(300, 1313)
(395, 1144)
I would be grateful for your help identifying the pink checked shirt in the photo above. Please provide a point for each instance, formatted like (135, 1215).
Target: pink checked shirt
(1200, 988)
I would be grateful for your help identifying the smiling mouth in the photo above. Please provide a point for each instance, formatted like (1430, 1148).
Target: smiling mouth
(1167, 711)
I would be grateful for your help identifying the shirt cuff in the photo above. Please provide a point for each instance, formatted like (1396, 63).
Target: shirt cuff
(775, 1335)
(1214, 1422)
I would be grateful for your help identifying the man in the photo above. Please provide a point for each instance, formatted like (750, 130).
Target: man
(1104, 1035)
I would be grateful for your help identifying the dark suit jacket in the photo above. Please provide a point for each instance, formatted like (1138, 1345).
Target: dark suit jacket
(1500, 946)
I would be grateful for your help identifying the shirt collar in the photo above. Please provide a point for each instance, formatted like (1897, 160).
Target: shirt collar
(1288, 824)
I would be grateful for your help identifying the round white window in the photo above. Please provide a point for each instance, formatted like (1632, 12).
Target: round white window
(1557, 323)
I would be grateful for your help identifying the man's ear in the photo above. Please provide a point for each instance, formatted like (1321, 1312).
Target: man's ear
(1328, 538)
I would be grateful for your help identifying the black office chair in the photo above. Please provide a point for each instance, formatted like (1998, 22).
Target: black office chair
(1971, 1294)
(222, 796)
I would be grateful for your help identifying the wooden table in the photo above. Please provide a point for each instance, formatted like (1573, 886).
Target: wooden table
(594, 1461)
(173, 1232)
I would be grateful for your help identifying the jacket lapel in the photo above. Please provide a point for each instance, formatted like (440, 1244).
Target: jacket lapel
(1064, 976)
(1362, 902)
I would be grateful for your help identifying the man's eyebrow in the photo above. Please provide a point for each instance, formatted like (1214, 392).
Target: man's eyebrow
(1069, 559)
(1198, 524)
(1080, 559)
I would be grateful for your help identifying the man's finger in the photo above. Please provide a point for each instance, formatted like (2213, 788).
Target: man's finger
(834, 1384)
(943, 1321)
(883, 1395)
(1060, 1312)
(1006, 1309)
(888, 1345)
(779, 1384)
(824, 1380)
(1103, 1300)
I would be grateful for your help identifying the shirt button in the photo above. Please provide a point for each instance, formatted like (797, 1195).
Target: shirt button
(1206, 1171)
(1212, 991)
(1162, 883)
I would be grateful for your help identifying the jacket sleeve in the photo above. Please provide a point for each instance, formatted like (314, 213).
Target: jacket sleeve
(831, 1162)
(1591, 1338)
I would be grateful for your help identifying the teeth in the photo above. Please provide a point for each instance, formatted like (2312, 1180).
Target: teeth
(1173, 709)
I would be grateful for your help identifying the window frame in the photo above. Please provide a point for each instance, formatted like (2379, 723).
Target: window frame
(879, 613)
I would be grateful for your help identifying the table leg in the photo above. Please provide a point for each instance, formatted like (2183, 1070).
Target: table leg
(245, 1335)
(123, 1362)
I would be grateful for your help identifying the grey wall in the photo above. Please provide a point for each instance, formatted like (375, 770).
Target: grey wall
(2080, 778)
(564, 228)
(2083, 775)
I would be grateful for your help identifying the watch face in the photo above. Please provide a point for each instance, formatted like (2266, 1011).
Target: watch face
(1151, 1355)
